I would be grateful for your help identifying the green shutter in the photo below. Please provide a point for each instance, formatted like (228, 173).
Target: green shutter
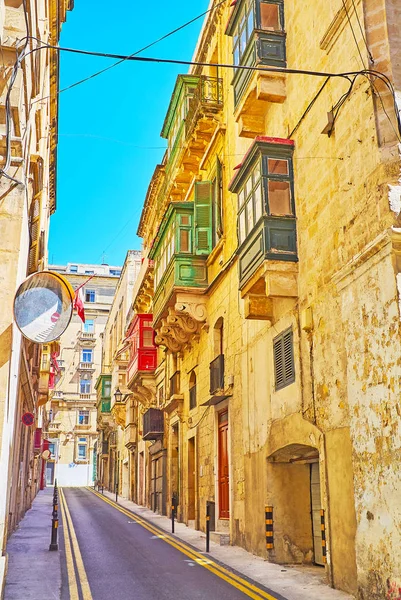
(203, 217)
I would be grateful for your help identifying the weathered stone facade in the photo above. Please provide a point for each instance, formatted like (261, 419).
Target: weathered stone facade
(28, 139)
(299, 293)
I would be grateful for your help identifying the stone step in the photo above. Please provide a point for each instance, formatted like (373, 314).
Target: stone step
(220, 537)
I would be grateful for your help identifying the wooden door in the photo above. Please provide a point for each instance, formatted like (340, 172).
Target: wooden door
(191, 479)
(223, 475)
(316, 508)
(141, 477)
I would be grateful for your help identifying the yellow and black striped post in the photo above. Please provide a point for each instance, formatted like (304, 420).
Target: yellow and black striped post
(323, 528)
(269, 527)
(207, 527)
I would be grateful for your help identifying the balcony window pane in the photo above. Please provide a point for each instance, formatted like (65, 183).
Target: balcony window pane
(242, 229)
(278, 167)
(243, 40)
(270, 17)
(256, 173)
(241, 198)
(250, 22)
(185, 220)
(236, 54)
(148, 338)
(184, 240)
(279, 197)
(249, 215)
(258, 202)
(81, 451)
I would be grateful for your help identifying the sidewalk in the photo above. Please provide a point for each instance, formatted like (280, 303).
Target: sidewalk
(33, 572)
(294, 583)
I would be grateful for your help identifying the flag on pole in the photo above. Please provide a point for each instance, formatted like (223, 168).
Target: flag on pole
(79, 305)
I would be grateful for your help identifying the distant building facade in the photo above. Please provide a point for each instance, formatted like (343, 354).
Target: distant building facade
(115, 464)
(71, 428)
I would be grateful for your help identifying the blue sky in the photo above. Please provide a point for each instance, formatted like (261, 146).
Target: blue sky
(109, 127)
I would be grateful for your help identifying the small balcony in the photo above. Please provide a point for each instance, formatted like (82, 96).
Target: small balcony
(54, 426)
(86, 336)
(130, 435)
(57, 395)
(85, 396)
(83, 427)
(144, 361)
(217, 374)
(86, 366)
(153, 424)
(105, 406)
(204, 104)
(175, 398)
(105, 449)
(183, 272)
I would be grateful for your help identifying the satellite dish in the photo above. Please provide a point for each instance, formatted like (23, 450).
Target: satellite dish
(43, 307)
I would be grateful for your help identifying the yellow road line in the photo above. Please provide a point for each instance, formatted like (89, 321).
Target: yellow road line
(72, 580)
(86, 591)
(242, 584)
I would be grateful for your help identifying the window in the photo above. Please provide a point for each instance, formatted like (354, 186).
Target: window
(89, 326)
(243, 30)
(52, 450)
(74, 269)
(265, 189)
(87, 355)
(83, 417)
(107, 388)
(270, 16)
(284, 367)
(82, 451)
(192, 391)
(89, 272)
(115, 272)
(85, 384)
(90, 295)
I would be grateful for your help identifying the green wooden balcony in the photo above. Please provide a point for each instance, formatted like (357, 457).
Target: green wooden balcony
(184, 271)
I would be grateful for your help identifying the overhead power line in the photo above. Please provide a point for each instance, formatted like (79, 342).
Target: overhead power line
(368, 73)
(160, 39)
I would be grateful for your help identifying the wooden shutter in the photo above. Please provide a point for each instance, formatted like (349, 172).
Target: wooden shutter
(34, 234)
(284, 367)
(203, 217)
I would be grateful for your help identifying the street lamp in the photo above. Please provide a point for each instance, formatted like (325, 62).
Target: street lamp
(118, 396)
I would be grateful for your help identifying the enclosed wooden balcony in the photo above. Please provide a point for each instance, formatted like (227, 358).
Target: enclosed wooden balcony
(267, 230)
(153, 424)
(259, 42)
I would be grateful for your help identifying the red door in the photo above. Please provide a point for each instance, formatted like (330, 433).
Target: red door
(224, 502)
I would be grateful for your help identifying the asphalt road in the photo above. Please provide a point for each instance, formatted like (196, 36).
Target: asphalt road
(124, 561)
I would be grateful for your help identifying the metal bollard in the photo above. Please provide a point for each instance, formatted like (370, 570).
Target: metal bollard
(102, 489)
(116, 486)
(53, 542)
(207, 527)
(172, 514)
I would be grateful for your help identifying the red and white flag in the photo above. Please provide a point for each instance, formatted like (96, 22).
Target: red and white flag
(79, 305)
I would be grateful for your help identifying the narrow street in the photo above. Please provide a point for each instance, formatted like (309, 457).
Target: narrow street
(118, 556)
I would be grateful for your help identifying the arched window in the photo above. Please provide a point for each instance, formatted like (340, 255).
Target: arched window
(192, 390)
(218, 337)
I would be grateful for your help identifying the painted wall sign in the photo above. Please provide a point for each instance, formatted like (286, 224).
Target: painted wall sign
(43, 306)
(28, 419)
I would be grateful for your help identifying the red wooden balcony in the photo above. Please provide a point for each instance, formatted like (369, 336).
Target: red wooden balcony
(143, 357)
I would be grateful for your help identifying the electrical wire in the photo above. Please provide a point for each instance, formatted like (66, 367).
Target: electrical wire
(353, 32)
(164, 37)
(7, 104)
(371, 59)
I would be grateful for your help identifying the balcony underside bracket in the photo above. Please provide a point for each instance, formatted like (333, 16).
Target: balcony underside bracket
(182, 326)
